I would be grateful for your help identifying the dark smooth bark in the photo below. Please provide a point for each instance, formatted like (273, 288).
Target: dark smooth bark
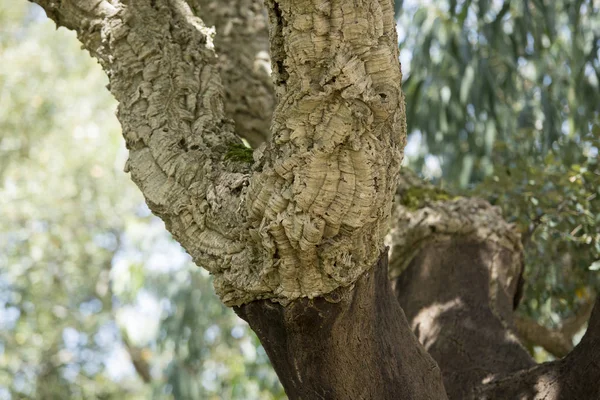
(445, 293)
(575, 377)
(353, 344)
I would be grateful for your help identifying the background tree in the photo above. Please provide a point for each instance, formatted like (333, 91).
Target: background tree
(433, 195)
(515, 89)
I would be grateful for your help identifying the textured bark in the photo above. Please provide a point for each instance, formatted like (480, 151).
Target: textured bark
(319, 202)
(352, 344)
(162, 70)
(576, 376)
(242, 43)
(340, 111)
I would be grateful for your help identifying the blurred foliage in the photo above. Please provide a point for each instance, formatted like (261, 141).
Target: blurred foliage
(90, 283)
(488, 69)
(556, 206)
(503, 102)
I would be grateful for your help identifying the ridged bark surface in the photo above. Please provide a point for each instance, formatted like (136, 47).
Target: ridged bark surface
(319, 201)
(311, 214)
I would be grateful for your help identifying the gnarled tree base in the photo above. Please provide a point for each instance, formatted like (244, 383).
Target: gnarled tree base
(354, 344)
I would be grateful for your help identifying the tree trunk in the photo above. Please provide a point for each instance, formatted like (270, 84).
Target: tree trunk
(445, 294)
(320, 196)
(456, 266)
(353, 343)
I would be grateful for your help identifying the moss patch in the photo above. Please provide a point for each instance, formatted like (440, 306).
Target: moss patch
(239, 152)
(416, 197)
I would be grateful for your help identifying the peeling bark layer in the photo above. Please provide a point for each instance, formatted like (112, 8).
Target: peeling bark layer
(319, 202)
(351, 344)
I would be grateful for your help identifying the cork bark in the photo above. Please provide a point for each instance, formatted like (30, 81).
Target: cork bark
(242, 45)
(319, 200)
(310, 214)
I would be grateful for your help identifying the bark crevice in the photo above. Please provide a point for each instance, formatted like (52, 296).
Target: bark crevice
(242, 44)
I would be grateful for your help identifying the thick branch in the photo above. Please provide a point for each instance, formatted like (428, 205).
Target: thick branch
(552, 341)
(558, 342)
(320, 202)
(573, 377)
(162, 70)
(457, 264)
